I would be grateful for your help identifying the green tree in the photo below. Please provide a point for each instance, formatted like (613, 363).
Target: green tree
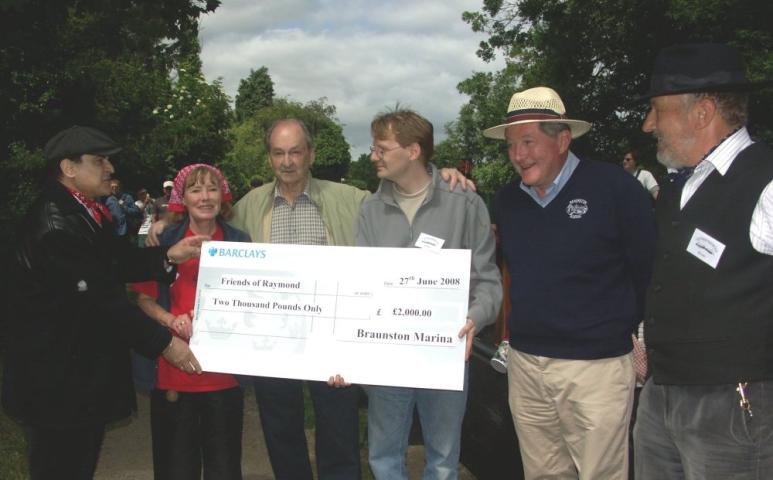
(362, 174)
(192, 121)
(255, 92)
(104, 64)
(484, 109)
(598, 54)
(249, 157)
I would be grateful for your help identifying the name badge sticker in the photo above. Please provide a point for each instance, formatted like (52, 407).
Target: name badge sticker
(705, 248)
(429, 242)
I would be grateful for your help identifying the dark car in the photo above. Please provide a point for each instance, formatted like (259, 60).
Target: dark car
(489, 443)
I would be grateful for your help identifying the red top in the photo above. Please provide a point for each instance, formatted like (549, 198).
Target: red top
(182, 294)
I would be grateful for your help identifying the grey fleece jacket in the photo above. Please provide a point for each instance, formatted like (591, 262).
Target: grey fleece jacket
(458, 217)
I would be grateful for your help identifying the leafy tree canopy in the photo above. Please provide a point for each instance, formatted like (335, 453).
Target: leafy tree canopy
(107, 64)
(362, 174)
(249, 158)
(255, 92)
(598, 55)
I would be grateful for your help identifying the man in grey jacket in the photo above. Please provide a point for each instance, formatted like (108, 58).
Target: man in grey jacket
(412, 203)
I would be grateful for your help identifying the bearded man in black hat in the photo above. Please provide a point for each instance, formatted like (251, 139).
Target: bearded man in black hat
(70, 324)
(707, 410)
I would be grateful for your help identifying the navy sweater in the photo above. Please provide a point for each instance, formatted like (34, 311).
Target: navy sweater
(579, 266)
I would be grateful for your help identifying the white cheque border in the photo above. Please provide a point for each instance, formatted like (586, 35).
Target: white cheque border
(379, 316)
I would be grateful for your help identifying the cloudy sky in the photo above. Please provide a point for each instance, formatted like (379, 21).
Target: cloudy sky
(362, 55)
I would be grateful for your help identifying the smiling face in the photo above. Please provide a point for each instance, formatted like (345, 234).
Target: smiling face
(90, 175)
(202, 196)
(535, 155)
(669, 121)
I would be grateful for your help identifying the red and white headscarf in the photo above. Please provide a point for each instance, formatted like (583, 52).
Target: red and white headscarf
(176, 198)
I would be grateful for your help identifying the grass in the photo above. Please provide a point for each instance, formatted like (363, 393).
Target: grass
(13, 448)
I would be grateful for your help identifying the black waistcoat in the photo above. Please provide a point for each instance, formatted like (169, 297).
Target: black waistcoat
(707, 325)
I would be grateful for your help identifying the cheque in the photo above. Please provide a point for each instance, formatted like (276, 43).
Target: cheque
(378, 316)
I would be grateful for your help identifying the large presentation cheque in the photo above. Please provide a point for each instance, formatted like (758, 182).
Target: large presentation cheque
(378, 316)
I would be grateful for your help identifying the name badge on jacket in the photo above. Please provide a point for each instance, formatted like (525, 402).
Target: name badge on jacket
(429, 242)
(705, 248)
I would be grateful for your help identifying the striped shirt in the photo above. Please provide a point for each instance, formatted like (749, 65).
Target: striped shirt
(761, 228)
(299, 223)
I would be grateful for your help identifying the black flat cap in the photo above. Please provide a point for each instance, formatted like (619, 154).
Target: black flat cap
(699, 67)
(77, 141)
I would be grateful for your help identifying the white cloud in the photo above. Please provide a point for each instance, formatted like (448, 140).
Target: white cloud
(361, 56)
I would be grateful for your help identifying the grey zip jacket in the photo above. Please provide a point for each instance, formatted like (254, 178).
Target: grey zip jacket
(459, 218)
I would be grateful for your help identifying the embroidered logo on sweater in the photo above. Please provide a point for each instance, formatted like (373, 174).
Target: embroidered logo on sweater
(577, 208)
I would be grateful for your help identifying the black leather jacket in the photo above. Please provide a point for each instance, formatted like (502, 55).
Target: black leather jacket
(70, 324)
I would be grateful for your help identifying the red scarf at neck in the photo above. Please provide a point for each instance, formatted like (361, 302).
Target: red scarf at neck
(96, 209)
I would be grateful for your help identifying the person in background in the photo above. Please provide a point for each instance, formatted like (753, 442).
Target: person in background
(706, 411)
(196, 419)
(67, 371)
(160, 204)
(145, 205)
(122, 207)
(631, 165)
(578, 238)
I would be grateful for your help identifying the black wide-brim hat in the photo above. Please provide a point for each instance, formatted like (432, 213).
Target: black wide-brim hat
(699, 67)
(76, 141)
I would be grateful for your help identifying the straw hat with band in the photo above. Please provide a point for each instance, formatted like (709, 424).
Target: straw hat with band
(537, 105)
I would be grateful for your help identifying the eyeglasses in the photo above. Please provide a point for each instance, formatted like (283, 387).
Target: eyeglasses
(379, 151)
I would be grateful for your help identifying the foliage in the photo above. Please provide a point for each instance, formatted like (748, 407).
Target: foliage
(598, 55)
(255, 92)
(332, 153)
(21, 174)
(249, 157)
(192, 121)
(13, 448)
(107, 65)
(465, 141)
(362, 174)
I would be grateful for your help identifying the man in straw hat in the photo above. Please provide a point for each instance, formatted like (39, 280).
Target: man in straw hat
(706, 410)
(578, 239)
(67, 369)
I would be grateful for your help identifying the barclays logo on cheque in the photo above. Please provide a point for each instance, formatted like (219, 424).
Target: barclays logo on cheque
(236, 252)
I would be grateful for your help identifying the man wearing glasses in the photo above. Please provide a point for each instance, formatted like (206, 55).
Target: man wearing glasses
(411, 208)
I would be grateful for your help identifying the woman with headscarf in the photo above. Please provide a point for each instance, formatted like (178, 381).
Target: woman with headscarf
(196, 420)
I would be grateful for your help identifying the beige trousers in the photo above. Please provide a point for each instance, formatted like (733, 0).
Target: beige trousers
(571, 416)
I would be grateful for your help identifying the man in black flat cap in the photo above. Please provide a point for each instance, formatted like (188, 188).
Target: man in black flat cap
(70, 324)
(706, 412)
